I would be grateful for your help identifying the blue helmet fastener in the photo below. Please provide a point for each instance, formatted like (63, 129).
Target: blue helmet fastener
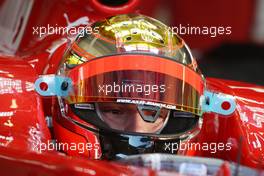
(218, 102)
(54, 85)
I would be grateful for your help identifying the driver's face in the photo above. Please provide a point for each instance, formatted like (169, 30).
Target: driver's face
(127, 118)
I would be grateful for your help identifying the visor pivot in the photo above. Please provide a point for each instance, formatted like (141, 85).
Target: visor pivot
(64, 85)
(220, 103)
(52, 85)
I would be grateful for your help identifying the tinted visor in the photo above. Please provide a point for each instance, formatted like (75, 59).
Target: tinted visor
(123, 79)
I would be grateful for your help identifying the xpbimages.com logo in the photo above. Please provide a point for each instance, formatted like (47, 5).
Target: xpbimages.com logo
(60, 146)
(212, 147)
(42, 31)
(212, 31)
(146, 89)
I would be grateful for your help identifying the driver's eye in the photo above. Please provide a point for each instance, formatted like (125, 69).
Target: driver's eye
(117, 112)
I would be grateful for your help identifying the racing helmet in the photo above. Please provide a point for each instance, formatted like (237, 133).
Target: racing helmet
(134, 87)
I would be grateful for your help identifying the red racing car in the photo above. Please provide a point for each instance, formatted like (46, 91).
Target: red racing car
(94, 87)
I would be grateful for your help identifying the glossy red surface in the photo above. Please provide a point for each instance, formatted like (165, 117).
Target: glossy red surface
(224, 170)
(15, 162)
(243, 129)
(23, 111)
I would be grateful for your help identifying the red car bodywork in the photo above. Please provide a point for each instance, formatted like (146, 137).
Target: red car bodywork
(23, 111)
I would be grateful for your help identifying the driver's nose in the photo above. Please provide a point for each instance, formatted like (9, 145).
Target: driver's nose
(135, 123)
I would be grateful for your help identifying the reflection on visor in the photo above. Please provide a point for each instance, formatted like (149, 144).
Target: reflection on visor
(161, 83)
(137, 87)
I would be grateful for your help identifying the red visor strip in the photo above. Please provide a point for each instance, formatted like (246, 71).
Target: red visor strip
(137, 62)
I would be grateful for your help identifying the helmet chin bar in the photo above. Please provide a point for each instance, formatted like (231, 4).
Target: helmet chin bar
(117, 146)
